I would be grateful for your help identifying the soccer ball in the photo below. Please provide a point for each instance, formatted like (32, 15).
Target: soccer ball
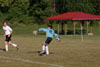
(35, 32)
(58, 39)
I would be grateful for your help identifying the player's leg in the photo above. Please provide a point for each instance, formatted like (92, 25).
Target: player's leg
(6, 45)
(13, 44)
(45, 46)
(49, 39)
(47, 50)
(43, 49)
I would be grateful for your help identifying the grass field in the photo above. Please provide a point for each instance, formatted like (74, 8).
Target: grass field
(70, 52)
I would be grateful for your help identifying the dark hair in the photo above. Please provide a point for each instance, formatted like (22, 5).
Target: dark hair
(50, 26)
(4, 22)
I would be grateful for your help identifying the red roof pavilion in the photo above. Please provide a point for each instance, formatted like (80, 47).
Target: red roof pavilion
(74, 16)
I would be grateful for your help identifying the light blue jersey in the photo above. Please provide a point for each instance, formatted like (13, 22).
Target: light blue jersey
(49, 32)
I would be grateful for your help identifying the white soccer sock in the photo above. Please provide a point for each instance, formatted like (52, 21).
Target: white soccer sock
(47, 50)
(6, 47)
(14, 45)
(43, 48)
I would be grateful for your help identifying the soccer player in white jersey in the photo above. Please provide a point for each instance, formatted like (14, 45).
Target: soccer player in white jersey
(8, 33)
(49, 36)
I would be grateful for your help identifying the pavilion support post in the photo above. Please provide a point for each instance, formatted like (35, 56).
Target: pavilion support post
(65, 28)
(87, 22)
(99, 26)
(91, 31)
(58, 28)
(62, 27)
(74, 24)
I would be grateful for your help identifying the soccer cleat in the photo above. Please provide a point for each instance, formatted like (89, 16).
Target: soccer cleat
(41, 53)
(17, 48)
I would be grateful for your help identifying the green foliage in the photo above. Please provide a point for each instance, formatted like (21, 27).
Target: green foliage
(74, 5)
(96, 6)
(34, 11)
(39, 9)
(24, 11)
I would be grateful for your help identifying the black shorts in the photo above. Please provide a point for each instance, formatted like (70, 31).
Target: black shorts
(8, 38)
(48, 40)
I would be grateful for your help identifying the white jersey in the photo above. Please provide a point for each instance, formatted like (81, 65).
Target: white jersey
(7, 30)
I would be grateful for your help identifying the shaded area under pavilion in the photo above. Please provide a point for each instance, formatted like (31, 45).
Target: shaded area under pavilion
(75, 17)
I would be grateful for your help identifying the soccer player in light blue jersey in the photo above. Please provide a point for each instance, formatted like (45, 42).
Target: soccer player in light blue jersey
(49, 36)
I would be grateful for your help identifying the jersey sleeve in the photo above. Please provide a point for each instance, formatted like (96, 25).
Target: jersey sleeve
(9, 28)
(43, 29)
(56, 35)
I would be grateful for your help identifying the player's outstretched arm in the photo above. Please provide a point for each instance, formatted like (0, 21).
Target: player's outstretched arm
(42, 29)
(35, 32)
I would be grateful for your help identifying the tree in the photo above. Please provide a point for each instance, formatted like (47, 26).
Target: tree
(39, 9)
(5, 5)
(74, 5)
(34, 11)
(96, 6)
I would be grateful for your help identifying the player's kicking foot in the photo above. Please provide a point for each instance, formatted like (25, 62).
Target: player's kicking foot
(41, 53)
(17, 48)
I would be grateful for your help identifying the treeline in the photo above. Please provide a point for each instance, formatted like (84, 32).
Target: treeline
(34, 11)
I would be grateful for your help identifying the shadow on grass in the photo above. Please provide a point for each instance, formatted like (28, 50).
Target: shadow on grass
(3, 49)
(39, 52)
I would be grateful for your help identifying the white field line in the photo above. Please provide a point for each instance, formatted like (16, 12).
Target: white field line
(29, 61)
